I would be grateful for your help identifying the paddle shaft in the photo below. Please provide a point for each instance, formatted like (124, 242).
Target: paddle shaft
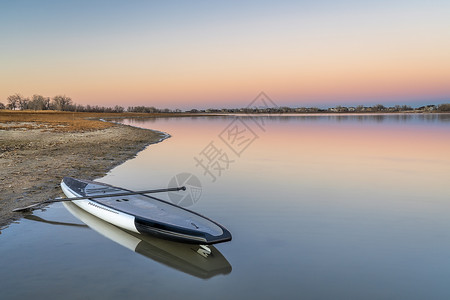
(102, 196)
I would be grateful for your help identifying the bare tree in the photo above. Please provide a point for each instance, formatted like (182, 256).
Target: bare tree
(23, 103)
(39, 102)
(2, 106)
(118, 109)
(379, 107)
(61, 102)
(444, 107)
(14, 101)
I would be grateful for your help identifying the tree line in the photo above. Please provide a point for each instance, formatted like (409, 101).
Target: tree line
(59, 102)
(37, 102)
(337, 109)
(64, 103)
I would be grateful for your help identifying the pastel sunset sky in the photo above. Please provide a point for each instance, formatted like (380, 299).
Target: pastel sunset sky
(202, 54)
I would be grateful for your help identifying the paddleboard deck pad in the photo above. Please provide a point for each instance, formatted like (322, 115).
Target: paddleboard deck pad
(144, 214)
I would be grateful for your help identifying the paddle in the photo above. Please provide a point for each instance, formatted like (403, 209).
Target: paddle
(183, 188)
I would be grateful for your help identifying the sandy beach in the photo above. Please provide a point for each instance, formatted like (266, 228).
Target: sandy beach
(33, 159)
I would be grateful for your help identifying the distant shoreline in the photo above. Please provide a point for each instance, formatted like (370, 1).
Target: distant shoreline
(251, 109)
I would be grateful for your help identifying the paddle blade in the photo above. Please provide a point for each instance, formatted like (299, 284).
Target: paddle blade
(26, 207)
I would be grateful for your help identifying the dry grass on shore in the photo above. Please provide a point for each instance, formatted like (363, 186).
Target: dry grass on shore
(64, 121)
(58, 120)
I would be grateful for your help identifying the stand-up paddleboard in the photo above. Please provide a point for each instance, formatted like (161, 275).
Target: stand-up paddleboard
(144, 214)
(180, 256)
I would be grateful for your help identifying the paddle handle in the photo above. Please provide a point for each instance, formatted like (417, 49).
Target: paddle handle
(183, 188)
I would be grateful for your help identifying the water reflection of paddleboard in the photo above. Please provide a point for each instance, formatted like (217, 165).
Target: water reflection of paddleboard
(143, 213)
(187, 258)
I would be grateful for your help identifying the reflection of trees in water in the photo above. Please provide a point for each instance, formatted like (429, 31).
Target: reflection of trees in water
(295, 117)
(351, 117)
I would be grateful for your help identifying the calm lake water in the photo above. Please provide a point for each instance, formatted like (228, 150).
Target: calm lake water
(320, 207)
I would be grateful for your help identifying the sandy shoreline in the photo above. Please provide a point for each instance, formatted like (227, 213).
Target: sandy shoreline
(33, 161)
